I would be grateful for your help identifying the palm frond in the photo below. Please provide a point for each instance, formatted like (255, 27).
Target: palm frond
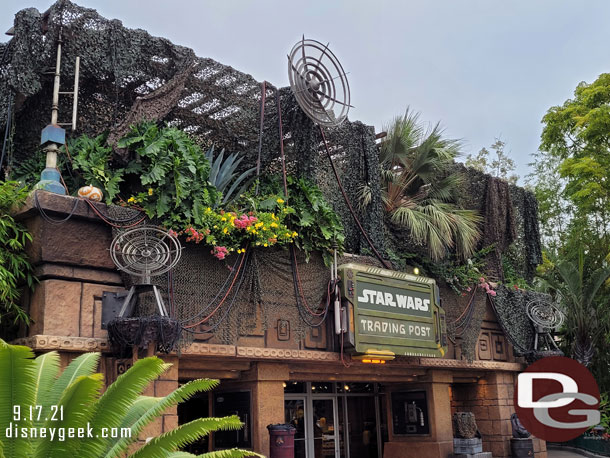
(596, 280)
(114, 404)
(466, 231)
(404, 132)
(85, 364)
(445, 188)
(47, 370)
(77, 403)
(155, 410)
(572, 281)
(161, 446)
(365, 196)
(17, 391)
(417, 188)
(423, 231)
(230, 453)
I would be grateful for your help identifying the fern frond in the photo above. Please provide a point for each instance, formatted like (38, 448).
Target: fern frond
(47, 370)
(230, 453)
(159, 446)
(117, 399)
(17, 367)
(85, 364)
(179, 395)
(78, 403)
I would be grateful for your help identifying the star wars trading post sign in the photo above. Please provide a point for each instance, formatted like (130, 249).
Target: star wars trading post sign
(392, 312)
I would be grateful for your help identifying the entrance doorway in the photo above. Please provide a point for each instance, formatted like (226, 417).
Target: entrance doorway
(336, 420)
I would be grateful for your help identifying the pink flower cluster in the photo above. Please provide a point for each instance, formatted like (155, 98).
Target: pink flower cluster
(194, 236)
(484, 285)
(244, 221)
(220, 252)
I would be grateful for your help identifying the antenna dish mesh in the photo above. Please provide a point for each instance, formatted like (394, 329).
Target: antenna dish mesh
(145, 251)
(319, 83)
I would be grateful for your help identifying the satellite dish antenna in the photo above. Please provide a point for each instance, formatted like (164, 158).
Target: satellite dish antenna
(145, 252)
(545, 317)
(319, 83)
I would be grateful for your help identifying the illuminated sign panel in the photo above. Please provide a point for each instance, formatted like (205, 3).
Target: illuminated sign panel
(393, 312)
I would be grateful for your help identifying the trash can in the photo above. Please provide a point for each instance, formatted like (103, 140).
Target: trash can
(281, 441)
(521, 448)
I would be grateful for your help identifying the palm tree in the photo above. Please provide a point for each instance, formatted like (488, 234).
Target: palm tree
(417, 188)
(72, 399)
(583, 327)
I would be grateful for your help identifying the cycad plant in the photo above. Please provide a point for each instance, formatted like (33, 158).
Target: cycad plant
(584, 328)
(417, 188)
(34, 395)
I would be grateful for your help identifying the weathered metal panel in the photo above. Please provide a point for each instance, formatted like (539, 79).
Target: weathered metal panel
(392, 311)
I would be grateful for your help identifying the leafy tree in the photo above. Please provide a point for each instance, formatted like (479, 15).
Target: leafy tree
(571, 181)
(585, 328)
(417, 188)
(15, 268)
(501, 166)
(554, 210)
(577, 135)
(37, 382)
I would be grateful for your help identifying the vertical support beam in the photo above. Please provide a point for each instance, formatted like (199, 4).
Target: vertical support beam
(55, 105)
(75, 100)
(267, 401)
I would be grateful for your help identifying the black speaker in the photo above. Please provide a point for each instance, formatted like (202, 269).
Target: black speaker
(111, 305)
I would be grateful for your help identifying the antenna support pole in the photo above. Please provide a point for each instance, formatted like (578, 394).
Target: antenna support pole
(55, 105)
(75, 100)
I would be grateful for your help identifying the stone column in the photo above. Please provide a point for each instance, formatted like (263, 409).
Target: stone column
(439, 443)
(161, 387)
(491, 401)
(267, 382)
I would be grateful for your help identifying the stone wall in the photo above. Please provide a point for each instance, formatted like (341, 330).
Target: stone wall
(491, 401)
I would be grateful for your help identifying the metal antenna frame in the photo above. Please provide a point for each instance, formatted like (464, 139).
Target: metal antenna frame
(545, 317)
(312, 81)
(57, 92)
(145, 251)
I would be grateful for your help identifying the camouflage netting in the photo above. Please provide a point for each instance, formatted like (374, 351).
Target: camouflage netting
(510, 306)
(128, 75)
(515, 229)
(464, 318)
(199, 282)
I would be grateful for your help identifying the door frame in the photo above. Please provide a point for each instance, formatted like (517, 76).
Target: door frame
(308, 397)
(308, 430)
(336, 436)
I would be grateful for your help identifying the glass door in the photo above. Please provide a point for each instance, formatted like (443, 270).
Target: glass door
(362, 427)
(325, 427)
(294, 413)
(345, 420)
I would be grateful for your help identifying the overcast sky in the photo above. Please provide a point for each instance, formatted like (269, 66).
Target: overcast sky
(484, 68)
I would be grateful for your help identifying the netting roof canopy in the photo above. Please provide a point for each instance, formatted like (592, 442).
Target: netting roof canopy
(128, 75)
